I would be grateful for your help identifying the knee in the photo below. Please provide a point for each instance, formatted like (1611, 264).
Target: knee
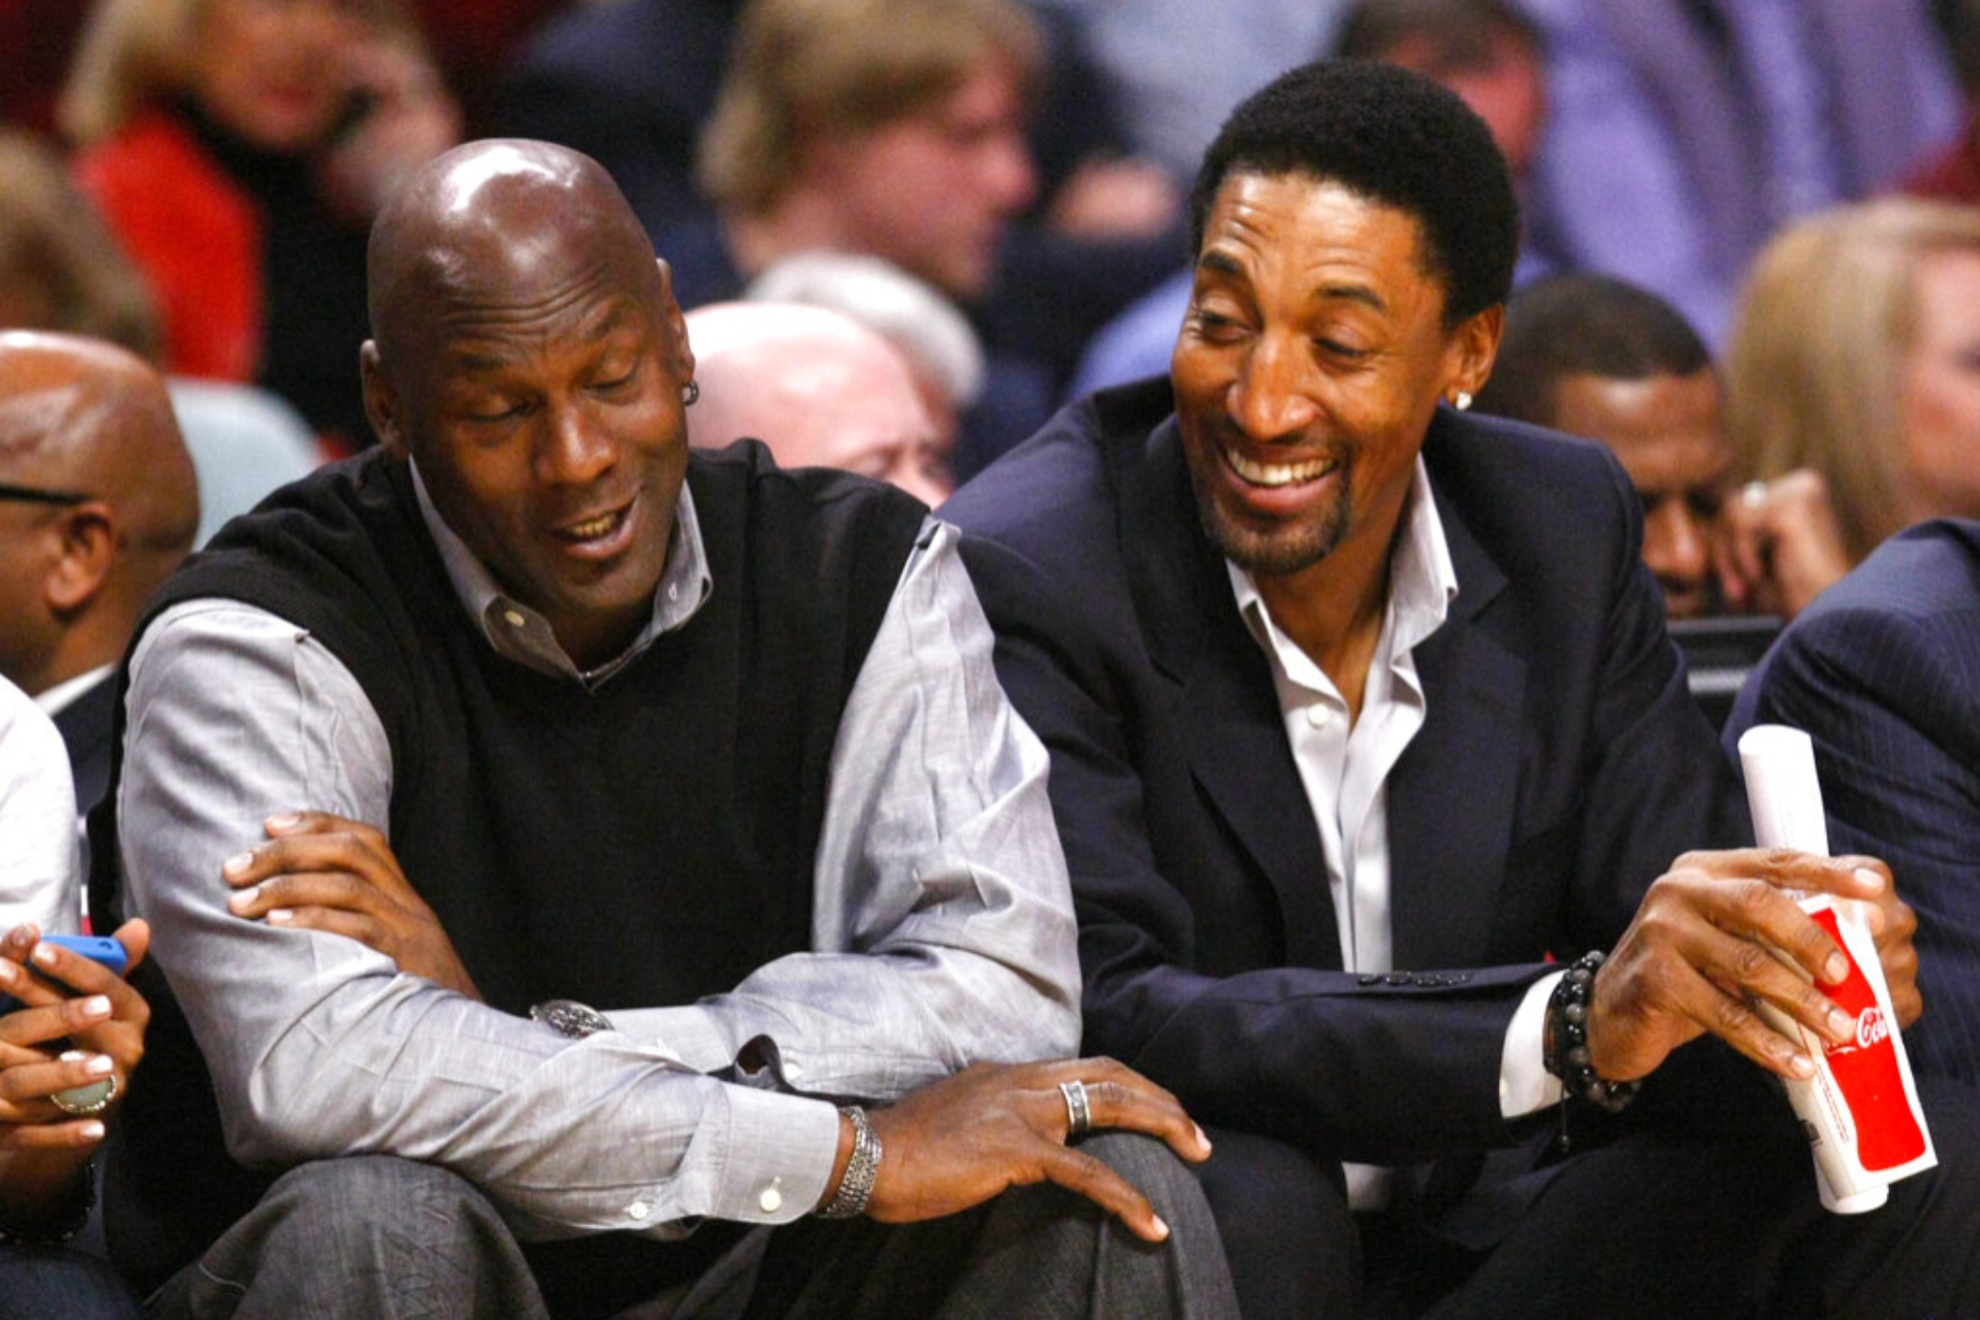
(1148, 1165)
(352, 1214)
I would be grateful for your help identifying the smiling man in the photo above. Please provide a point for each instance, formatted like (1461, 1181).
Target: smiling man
(1363, 723)
(530, 710)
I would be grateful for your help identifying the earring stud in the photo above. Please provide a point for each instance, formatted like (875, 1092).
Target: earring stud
(1463, 400)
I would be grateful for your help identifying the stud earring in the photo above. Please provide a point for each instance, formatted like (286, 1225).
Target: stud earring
(691, 393)
(1463, 400)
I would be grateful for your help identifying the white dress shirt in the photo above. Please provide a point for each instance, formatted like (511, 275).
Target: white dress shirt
(1344, 767)
(40, 864)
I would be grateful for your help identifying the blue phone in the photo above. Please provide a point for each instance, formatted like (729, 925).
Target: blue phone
(103, 949)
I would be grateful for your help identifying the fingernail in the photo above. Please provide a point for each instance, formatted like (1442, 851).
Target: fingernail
(1161, 1229)
(1866, 876)
(96, 1006)
(244, 900)
(44, 954)
(93, 1130)
(1841, 1023)
(1836, 969)
(7, 973)
(71, 1056)
(280, 916)
(99, 1066)
(1801, 1065)
(238, 863)
(286, 820)
(1202, 1136)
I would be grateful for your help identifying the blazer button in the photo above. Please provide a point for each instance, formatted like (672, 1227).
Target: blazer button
(1400, 978)
(1368, 978)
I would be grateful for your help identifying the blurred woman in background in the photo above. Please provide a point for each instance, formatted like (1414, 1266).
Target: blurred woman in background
(238, 149)
(1855, 362)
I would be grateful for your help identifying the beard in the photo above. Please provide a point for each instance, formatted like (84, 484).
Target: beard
(1286, 548)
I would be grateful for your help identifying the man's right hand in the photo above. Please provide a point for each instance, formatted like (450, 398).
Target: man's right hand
(960, 1141)
(323, 872)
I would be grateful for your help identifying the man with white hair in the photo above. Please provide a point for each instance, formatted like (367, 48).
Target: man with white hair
(820, 389)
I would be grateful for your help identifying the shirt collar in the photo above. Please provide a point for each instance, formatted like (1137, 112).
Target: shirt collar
(1422, 580)
(53, 701)
(521, 634)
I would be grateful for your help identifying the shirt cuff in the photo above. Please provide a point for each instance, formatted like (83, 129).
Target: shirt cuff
(1525, 1085)
(781, 1152)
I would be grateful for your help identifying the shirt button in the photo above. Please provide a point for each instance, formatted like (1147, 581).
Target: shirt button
(1317, 716)
(673, 591)
(771, 1201)
(513, 618)
(638, 1210)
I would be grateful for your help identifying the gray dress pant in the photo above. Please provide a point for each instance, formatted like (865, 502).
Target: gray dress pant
(389, 1239)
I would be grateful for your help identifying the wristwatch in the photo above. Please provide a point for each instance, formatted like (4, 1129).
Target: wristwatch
(567, 1017)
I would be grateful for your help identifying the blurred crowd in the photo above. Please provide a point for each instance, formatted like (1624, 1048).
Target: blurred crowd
(998, 187)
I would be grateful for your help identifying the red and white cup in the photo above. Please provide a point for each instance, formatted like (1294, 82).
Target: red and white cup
(1861, 1112)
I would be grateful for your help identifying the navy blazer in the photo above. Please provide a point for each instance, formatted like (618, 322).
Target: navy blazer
(1561, 767)
(1883, 672)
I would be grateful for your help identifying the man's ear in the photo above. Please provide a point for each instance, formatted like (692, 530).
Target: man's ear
(87, 550)
(381, 402)
(1477, 344)
(680, 357)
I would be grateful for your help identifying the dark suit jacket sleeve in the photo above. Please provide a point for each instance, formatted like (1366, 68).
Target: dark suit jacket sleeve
(1884, 675)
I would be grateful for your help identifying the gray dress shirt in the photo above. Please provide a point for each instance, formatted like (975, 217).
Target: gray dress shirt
(942, 928)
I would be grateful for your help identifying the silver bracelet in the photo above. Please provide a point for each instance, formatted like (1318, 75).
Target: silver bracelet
(856, 1187)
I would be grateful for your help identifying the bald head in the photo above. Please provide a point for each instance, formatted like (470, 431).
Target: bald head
(81, 417)
(495, 221)
(819, 388)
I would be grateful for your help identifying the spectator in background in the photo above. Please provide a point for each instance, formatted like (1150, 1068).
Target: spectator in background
(941, 346)
(1852, 357)
(238, 150)
(1598, 357)
(59, 267)
(61, 271)
(1683, 133)
(98, 505)
(896, 128)
(820, 389)
(1484, 50)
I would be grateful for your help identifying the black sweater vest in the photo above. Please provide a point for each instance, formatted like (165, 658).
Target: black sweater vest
(643, 844)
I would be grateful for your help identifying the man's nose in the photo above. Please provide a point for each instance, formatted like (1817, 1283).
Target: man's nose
(1272, 394)
(575, 449)
(1677, 545)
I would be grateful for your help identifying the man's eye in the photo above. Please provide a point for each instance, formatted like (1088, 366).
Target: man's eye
(1334, 348)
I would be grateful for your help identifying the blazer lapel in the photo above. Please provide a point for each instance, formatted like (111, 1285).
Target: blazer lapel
(1452, 794)
(1226, 712)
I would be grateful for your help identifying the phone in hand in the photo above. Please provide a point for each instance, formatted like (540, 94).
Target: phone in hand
(103, 949)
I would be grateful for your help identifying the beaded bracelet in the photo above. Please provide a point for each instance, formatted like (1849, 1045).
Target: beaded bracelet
(856, 1186)
(1566, 1052)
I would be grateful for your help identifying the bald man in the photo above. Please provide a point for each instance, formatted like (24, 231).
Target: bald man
(531, 713)
(820, 389)
(98, 505)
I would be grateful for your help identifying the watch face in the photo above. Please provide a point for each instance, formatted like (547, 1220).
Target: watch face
(570, 1018)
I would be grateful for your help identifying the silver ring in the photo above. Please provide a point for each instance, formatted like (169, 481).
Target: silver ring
(1079, 1118)
(82, 1101)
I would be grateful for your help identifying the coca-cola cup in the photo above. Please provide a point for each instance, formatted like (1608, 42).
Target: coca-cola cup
(1860, 1110)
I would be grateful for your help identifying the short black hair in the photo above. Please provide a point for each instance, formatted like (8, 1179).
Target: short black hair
(1393, 137)
(1584, 325)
